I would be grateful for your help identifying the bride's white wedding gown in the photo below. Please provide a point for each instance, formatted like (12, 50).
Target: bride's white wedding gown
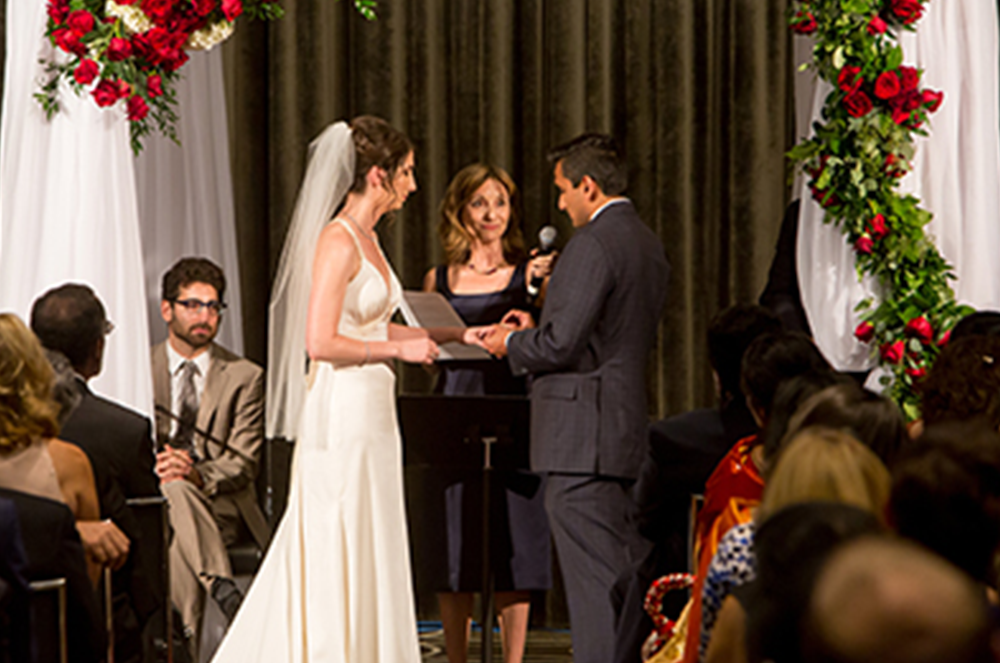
(335, 586)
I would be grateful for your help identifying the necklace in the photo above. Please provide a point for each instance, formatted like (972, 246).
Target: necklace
(370, 235)
(488, 271)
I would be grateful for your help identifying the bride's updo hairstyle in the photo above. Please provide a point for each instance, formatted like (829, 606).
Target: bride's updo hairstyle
(378, 144)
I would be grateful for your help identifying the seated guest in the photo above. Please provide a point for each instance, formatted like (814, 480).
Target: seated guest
(964, 382)
(683, 450)
(819, 465)
(209, 427)
(946, 495)
(761, 620)
(980, 323)
(52, 550)
(70, 322)
(34, 464)
(886, 600)
(876, 421)
(736, 485)
(32, 460)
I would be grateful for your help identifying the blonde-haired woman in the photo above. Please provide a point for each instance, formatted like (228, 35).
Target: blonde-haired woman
(32, 460)
(819, 464)
(487, 274)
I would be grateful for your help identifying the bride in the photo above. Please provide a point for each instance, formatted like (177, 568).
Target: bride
(335, 586)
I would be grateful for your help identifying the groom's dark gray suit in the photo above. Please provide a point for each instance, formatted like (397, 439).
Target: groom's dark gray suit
(588, 406)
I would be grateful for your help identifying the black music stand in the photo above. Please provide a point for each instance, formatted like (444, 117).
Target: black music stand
(485, 433)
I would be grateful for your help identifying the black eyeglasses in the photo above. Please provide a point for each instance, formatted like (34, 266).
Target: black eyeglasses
(196, 305)
(108, 327)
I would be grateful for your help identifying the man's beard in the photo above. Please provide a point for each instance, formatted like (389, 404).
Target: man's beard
(196, 341)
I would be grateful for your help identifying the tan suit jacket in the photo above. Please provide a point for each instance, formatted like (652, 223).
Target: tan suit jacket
(232, 411)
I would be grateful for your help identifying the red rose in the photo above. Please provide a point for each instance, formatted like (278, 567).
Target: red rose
(877, 227)
(921, 329)
(857, 103)
(804, 23)
(106, 92)
(232, 8)
(204, 7)
(899, 116)
(137, 108)
(849, 78)
(69, 41)
(864, 244)
(945, 337)
(158, 10)
(893, 352)
(932, 99)
(119, 49)
(864, 332)
(81, 21)
(86, 72)
(58, 10)
(909, 77)
(917, 373)
(154, 86)
(887, 85)
(124, 89)
(876, 26)
(908, 11)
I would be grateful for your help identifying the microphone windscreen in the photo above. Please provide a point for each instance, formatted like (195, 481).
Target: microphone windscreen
(547, 237)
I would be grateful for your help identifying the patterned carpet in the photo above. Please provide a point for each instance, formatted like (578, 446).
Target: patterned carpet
(544, 646)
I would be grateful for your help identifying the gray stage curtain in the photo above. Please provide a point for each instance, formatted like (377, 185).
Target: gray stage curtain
(698, 92)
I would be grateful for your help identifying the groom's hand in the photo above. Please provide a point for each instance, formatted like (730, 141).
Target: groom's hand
(495, 339)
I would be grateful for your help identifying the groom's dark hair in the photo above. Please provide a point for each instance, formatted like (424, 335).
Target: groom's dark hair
(192, 270)
(597, 155)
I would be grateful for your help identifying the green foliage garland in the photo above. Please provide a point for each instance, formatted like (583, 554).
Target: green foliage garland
(858, 153)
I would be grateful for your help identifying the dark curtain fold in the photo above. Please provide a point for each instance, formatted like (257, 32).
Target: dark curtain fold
(698, 92)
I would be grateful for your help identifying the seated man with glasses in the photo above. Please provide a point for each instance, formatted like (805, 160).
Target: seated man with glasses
(209, 431)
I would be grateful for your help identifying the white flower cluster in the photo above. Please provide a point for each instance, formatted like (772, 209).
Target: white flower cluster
(134, 18)
(209, 36)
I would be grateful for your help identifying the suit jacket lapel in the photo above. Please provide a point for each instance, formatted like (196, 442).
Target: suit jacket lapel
(161, 391)
(214, 383)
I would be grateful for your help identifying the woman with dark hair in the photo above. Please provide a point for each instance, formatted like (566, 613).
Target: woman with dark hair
(336, 584)
(487, 274)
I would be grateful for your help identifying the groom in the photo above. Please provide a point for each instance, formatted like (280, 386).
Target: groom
(588, 399)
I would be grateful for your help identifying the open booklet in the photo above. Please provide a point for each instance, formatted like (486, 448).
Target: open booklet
(431, 309)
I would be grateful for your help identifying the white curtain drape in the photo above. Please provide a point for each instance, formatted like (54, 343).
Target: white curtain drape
(956, 175)
(68, 209)
(185, 194)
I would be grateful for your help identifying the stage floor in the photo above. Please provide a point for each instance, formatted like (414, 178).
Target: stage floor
(544, 646)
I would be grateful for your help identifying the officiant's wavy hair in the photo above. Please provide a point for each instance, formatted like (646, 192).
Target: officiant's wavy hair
(27, 410)
(377, 143)
(597, 155)
(455, 236)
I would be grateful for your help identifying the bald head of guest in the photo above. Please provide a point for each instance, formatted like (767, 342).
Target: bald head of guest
(882, 600)
(70, 319)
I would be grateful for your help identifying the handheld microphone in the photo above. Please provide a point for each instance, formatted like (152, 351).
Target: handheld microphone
(546, 244)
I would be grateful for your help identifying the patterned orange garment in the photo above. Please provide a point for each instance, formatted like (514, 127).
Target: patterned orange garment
(731, 494)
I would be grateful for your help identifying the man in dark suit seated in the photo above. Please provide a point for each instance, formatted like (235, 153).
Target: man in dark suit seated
(53, 550)
(71, 320)
(683, 450)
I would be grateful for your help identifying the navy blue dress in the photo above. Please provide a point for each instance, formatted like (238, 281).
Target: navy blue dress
(520, 539)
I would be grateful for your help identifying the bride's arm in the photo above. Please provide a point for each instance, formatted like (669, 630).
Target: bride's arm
(437, 334)
(337, 261)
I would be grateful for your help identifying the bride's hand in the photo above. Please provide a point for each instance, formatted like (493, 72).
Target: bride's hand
(418, 350)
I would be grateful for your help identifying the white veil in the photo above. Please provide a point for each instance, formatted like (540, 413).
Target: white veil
(328, 177)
